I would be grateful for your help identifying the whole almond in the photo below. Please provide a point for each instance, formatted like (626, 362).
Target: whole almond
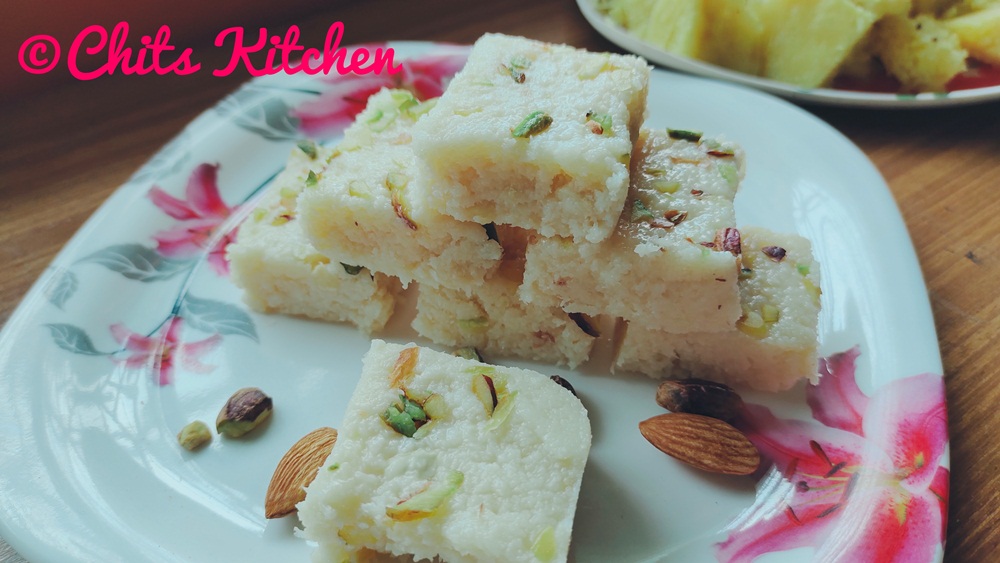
(703, 442)
(296, 470)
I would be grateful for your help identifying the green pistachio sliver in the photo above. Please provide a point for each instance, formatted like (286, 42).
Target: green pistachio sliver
(813, 291)
(352, 270)
(399, 421)
(544, 547)
(333, 467)
(408, 105)
(745, 273)
(477, 323)
(426, 502)
(729, 173)
(413, 409)
(308, 147)
(469, 353)
(640, 211)
(535, 123)
(803, 269)
(665, 187)
(422, 108)
(684, 135)
(259, 214)
(519, 62)
(402, 97)
(752, 324)
(311, 179)
(770, 313)
(380, 119)
(485, 370)
(502, 412)
(356, 188)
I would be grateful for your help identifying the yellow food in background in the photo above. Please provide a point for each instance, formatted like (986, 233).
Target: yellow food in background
(921, 52)
(922, 43)
(979, 33)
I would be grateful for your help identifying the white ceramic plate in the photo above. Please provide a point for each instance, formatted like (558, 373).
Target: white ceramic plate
(828, 96)
(90, 469)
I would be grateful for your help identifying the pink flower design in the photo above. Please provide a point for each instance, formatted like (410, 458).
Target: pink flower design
(161, 351)
(859, 486)
(200, 215)
(335, 109)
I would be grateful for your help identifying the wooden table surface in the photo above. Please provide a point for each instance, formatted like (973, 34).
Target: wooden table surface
(67, 149)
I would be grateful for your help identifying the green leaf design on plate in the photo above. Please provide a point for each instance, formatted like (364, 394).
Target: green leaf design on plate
(61, 287)
(209, 315)
(267, 117)
(73, 339)
(138, 262)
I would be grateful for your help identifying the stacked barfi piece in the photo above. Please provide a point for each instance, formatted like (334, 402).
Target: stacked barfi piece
(534, 139)
(529, 199)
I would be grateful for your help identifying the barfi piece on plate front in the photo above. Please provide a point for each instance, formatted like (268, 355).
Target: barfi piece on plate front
(439, 456)
(535, 135)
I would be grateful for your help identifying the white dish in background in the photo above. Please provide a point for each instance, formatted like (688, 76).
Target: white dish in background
(826, 96)
(90, 469)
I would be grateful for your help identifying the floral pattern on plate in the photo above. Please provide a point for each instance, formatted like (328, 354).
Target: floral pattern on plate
(886, 479)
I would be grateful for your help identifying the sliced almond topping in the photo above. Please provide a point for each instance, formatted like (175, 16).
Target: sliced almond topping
(403, 370)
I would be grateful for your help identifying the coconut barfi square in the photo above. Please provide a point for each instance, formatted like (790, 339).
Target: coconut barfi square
(492, 319)
(672, 262)
(280, 271)
(365, 208)
(774, 344)
(535, 135)
(439, 456)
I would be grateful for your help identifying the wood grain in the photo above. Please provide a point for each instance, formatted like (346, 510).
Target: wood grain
(65, 150)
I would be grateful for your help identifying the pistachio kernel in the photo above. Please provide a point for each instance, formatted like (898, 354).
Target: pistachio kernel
(194, 435)
(535, 123)
(308, 147)
(684, 135)
(243, 412)
(352, 270)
